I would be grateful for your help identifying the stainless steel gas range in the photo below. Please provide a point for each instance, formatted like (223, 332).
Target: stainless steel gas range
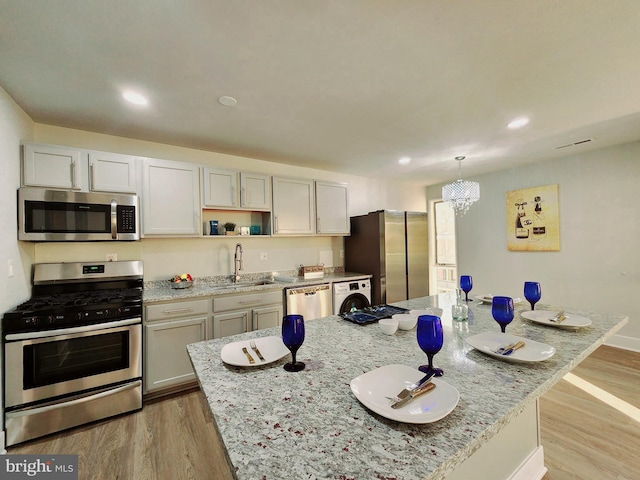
(73, 352)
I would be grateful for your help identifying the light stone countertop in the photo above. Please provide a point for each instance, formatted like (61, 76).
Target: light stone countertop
(161, 291)
(308, 425)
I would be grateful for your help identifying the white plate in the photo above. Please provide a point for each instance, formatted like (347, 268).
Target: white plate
(373, 388)
(271, 348)
(488, 299)
(543, 316)
(532, 351)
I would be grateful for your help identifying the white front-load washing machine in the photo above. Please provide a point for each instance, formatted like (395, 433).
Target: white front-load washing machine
(351, 296)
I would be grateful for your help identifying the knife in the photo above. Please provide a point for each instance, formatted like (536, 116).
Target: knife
(422, 389)
(249, 357)
(407, 391)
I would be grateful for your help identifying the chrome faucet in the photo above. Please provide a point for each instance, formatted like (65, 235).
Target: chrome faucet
(237, 263)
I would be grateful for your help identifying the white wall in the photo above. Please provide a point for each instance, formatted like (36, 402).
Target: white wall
(598, 265)
(15, 127)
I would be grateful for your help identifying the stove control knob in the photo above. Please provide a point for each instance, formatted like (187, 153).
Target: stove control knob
(31, 321)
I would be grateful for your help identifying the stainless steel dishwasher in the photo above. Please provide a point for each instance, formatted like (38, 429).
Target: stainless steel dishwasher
(310, 301)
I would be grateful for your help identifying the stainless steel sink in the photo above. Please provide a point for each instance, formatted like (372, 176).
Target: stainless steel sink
(257, 283)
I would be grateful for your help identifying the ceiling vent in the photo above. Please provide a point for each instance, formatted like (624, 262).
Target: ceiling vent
(574, 144)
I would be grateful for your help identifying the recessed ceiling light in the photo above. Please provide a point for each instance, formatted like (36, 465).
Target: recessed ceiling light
(227, 101)
(135, 98)
(404, 160)
(517, 123)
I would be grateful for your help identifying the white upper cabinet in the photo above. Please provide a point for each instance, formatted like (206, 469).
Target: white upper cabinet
(293, 206)
(170, 198)
(112, 172)
(255, 191)
(332, 208)
(220, 188)
(54, 167)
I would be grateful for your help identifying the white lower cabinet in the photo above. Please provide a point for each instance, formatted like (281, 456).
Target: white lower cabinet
(168, 329)
(240, 313)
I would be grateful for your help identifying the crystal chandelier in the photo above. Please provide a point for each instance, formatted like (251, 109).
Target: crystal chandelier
(461, 194)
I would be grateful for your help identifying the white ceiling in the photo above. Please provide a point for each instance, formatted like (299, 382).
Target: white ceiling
(348, 86)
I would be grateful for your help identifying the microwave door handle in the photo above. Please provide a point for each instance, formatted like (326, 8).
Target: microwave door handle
(114, 220)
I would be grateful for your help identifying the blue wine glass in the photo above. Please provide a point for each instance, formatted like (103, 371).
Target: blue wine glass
(502, 311)
(532, 292)
(293, 337)
(466, 284)
(430, 339)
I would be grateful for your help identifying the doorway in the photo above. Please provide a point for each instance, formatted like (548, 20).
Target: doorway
(443, 272)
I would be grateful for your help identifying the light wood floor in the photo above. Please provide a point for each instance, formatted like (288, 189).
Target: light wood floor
(584, 438)
(173, 438)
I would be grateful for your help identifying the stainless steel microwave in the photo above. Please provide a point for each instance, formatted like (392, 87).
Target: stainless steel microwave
(65, 216)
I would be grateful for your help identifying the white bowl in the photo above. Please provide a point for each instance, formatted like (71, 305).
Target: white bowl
(388, 325)
(406, 321)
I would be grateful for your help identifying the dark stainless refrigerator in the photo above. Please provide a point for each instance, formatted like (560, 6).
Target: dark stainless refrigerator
(392, 246)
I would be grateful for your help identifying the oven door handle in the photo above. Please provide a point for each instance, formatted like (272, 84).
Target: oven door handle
(77, 401)
(68, 331)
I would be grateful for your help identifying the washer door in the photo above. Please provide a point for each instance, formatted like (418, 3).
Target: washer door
(355, 301)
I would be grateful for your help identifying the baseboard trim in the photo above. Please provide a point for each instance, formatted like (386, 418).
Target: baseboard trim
(532, 468)
(624, 342)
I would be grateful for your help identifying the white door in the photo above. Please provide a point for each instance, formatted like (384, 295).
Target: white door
(293, 207)
(332, 208)
(170, 198)
(167, 360)
(112, 172)
(220, 188)
(53, 166)
(255, 191)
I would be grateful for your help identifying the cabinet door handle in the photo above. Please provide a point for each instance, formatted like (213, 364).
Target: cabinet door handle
(318, 229)
(92, 176)
(243, 197)
(246, 323)
(249, 302)
(233, 196)
(177, 310)
(73, 174)
(275, 224)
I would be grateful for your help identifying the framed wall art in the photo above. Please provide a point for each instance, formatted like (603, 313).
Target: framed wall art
(533, 223)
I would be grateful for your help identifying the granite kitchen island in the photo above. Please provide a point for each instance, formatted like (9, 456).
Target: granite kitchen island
(278, 425)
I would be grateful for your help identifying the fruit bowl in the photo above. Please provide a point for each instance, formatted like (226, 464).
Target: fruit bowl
(183, 284)
(184, 280)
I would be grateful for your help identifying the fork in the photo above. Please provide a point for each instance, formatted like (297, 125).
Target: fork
(254, 347)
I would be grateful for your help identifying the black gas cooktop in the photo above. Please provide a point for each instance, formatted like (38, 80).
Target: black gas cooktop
(372, 314)
(73, 309)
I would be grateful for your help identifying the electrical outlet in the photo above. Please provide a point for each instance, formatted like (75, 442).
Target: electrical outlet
(112, 257)
(10, 272)
(263, 256)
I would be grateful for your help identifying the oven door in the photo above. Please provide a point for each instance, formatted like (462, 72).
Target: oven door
(42, 365)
